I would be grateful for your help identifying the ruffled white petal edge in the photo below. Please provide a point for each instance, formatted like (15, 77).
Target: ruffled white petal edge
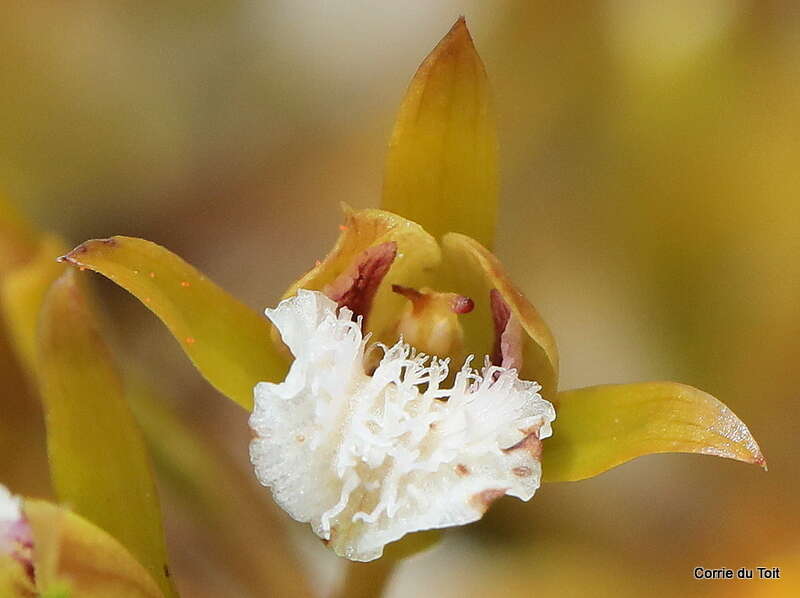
(366, 459)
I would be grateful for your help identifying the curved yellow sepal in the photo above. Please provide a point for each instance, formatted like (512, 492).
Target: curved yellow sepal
(600, 427)
(22, 292)
(228, 342)
(441, 169)
(18, 239)
(98, 459)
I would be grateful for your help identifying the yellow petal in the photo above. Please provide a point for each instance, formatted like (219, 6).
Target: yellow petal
(25, 273)
(227, 341)
(22, 292)
(98, 460)
(82, 560)
(442, 165)
(475, 271)
(417, 256)
(17, 238)
(14, 583)
(21, 428)
(600, 427)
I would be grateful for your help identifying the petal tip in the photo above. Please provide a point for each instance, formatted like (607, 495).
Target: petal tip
(457, 38)
(73, 258)
(460, 27)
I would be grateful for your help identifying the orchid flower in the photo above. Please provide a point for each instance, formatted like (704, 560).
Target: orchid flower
(370, 421)
(48, 551)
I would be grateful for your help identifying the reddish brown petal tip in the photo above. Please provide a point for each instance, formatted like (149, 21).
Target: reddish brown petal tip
(72, 256)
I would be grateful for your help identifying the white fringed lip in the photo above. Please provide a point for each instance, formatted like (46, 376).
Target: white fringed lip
(366, 459)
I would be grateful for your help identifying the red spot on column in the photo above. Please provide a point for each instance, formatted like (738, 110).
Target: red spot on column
(462, 304)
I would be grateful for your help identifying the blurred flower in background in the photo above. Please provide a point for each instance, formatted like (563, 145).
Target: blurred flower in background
(649, 204)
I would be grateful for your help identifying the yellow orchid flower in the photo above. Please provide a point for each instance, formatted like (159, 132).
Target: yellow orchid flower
(381, 427)
(49, 551)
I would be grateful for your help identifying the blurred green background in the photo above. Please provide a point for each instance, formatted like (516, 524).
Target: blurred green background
(650, 209)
